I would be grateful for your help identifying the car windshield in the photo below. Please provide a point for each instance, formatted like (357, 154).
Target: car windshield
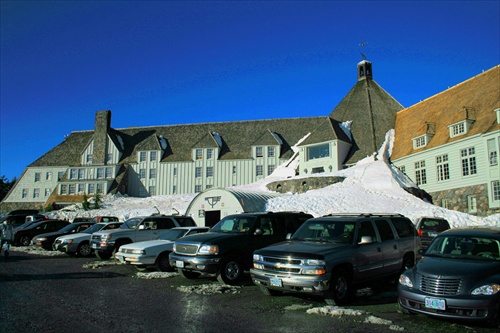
(173, 234)
(234, 224)
(68, 228)
(93, 228)
(131, 223)
(25, 224)
(465, 247)
(326, 231)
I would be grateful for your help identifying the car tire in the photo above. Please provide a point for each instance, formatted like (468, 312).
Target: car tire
(84, 249)
(190, 275)
(340, 291)
(103, 255)
(270, 292)
(230, 271)
(163, 263)
(24, 241)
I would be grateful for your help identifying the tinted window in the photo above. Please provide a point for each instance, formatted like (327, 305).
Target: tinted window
(164, 224)
(404, 227)
(366, 229)
(185, 221)
(384, 229)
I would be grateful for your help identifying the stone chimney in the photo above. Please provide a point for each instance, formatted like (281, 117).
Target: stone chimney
(101, 128)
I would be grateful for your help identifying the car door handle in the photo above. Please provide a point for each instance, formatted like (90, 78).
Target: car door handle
(379, 249)
(395, 247)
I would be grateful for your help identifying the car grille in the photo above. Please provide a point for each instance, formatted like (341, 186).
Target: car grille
(440, 286)
(282, 265)
(189, 249)
(96, 237)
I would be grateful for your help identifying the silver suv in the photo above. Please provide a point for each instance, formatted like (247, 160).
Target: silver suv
(330, 255)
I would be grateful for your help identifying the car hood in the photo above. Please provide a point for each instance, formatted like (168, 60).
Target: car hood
(208, 237)
(456, 268)
(114, 231)
(148, 245)
(303, 249)
(51, 234)
(81, 235)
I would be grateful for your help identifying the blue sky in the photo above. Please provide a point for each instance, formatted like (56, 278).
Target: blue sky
(174, 62)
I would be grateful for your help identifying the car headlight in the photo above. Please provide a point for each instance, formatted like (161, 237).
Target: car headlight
(405, 281)
(257, 257)
(67, 241)
(313, 262)
(487, 289)
(137, 251)
(209, 249)
(42, 239)
(105, 237)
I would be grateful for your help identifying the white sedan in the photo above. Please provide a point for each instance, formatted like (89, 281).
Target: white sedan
(154, 253)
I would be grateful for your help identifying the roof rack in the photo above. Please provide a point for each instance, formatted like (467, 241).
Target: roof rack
(365, 214)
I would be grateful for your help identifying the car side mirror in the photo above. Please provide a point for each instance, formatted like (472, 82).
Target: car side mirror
(421, 252)
(258, 232)
(366, 240)
(288, 236)
(141, 227)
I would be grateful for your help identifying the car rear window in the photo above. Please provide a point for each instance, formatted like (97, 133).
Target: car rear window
(404, 227)
(185, 222)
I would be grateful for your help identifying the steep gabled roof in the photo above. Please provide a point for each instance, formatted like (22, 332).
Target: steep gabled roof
(372, 112)
(474, 99)
(328, 130)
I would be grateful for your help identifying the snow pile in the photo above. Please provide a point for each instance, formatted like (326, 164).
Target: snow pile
(336, 311)
(209, 289)
(156, 275)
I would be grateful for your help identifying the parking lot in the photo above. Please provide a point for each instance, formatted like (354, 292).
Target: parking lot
(63, 294)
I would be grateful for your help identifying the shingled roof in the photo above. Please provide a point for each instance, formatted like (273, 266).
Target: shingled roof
(372, 112)
(474, 99)
(237, 139)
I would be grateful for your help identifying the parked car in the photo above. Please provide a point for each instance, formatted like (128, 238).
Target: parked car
(47, 239)
(154, 253)
(430, 227)
(227, 249)
(83, 219)
(137, 229)
(23, 237)
(27, 224)
(458, 277)
(18, 216)
(329, 256)
(99, 219)
(79, 244)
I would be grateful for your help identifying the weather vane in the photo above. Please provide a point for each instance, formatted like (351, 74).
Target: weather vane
(363, 44)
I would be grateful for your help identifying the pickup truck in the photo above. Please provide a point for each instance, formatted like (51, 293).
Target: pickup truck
(137, 229)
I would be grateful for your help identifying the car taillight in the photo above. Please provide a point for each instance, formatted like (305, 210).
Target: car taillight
(420, 232)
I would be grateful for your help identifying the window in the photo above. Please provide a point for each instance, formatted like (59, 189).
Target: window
(210, 153)
(152, 173)
(142, 173)
(492, 152)
(60, 175)
(89, 159)
(152, 190)
(420, 173)
(210, 171)
(72, 189)
(199, 154)
(109, 157)
(443, 169)
(472, 203)
(445, 203)
(100, 173)
(495, 190)
(468, 161)
(419, 142)
(99, 188)
(259, 152)
(81, 173)
(91, 188)
(36, 193)
(152, 156)
(47, 192)
(175, 172)
(197, 188)
(142, 156)
(109, 173)
(234, 169)
(37, 176)
(64, 189)
(259, 170)
(24, 193)
(319, 151)
(81, 188)
(384, 230)
(270, 169)
(208, 186)
(197, 172)
(73, 173)
(48, 176)
(270, 151)
(403, 169)
(457, 129)
(174, 189)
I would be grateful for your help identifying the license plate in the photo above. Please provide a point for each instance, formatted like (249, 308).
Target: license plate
(179, 264)
(94, 246)
(435, 303)
(274, 282)
(433, 234)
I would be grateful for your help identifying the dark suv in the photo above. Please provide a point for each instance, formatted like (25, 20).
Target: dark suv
(330, 255)
(227, 249)
(429, 227)
(136, 229)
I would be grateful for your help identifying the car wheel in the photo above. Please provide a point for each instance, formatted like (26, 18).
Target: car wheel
(189, 274)
(84, 249)
(270, 292)
(231, 271)
(103, 255)
(25, 241)
(340, 291)
(163, 263)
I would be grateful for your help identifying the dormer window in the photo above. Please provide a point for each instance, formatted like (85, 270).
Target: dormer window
(199, 154)
(460, 128)
(420, 142)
